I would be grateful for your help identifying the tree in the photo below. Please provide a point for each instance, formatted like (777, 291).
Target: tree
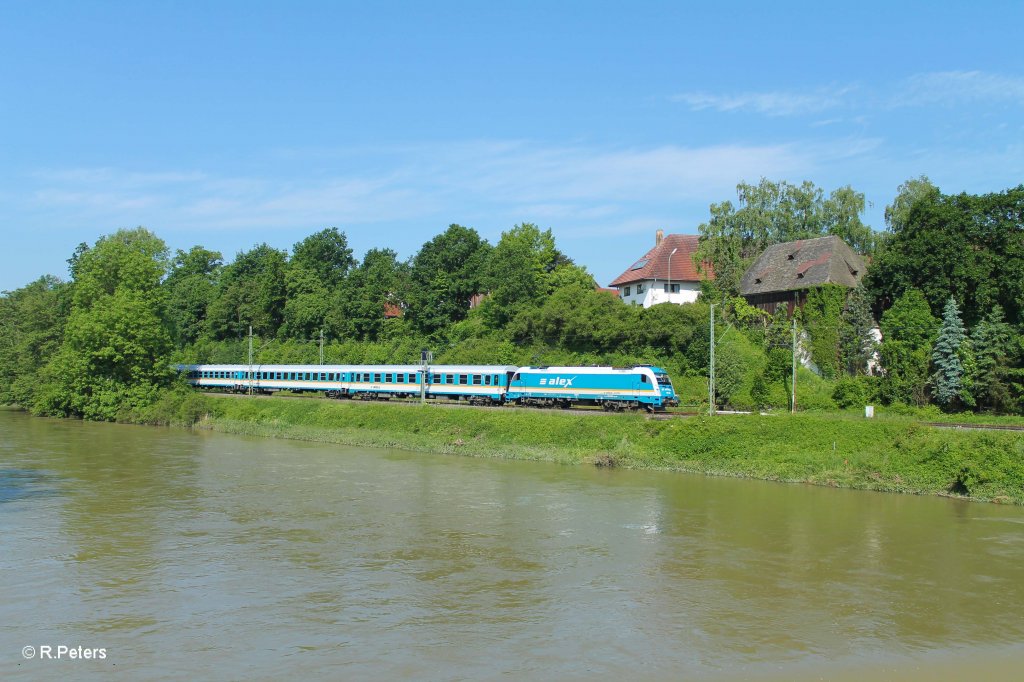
(857, 343)
(115, 353)
(520, 272)
(897, 213)
(966, 246)
(251, 291)
(908, 329)
(992, 342)
(326, 254)
(191, 286)
(445, 274)
(33, 320)
(772, 213)
(359, 307)
(946, 356)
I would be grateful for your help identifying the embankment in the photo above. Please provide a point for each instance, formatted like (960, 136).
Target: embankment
(821, 449)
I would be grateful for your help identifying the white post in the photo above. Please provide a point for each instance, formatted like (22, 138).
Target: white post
(321, 346)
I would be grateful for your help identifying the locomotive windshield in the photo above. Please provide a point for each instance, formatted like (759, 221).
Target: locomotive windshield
(663, 380)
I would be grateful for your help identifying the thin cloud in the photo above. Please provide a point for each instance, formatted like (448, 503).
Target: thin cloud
(494, 183)
(778, 103)
(947, 87)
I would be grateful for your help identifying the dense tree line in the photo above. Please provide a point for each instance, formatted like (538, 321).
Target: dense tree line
(945, 286)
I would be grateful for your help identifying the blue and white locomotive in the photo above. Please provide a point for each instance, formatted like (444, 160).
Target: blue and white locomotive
(613, 388)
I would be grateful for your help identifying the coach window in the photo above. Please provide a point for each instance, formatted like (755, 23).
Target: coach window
(323, 376)
(476, 379)
(487, 380)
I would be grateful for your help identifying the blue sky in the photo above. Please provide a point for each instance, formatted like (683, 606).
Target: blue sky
(228, 124)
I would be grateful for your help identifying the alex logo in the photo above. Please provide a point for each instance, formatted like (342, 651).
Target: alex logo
(557, 381)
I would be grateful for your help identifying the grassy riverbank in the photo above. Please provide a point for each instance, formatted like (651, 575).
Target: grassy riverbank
(823, 449)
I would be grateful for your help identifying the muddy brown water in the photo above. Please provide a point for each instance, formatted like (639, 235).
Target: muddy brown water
(195, 555)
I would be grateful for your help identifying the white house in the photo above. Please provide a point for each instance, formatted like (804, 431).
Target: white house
(665, 274)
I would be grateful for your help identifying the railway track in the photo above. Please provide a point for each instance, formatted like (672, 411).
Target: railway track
(654, 416)
(977, 427)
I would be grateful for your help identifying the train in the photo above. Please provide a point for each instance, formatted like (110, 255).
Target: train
(611, 388)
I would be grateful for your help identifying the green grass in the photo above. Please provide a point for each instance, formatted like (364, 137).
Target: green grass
(894, 454)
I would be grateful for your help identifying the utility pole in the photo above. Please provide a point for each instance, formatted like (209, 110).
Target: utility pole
(792, 383)
(321, 346)
(711, 366)
(250, 359)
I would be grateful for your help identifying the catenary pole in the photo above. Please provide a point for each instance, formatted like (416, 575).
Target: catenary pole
(711, 366)
(250, 359)
(792, 383)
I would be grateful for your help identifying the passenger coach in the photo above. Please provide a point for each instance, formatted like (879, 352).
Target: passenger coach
(479, 384)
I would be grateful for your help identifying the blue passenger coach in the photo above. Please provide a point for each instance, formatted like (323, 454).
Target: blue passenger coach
(613, 388)
(479, 384)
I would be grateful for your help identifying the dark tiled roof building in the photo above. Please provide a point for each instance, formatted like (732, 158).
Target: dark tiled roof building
(784, 272)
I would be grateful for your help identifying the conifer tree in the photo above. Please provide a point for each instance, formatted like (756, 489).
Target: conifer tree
(857, 345)
(991, 341)
(948, 378)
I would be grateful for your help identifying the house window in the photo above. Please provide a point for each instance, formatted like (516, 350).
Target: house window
(625, 292)
(639, 289)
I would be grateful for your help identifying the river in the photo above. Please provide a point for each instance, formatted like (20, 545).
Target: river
(195, 555)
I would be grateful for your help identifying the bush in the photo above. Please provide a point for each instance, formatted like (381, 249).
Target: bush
(849, 392)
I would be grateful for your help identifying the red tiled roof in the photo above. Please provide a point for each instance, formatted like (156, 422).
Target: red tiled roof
(804, 267)
(655, 263)
(391, 310)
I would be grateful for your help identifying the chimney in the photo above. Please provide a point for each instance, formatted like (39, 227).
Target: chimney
(658, 236)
